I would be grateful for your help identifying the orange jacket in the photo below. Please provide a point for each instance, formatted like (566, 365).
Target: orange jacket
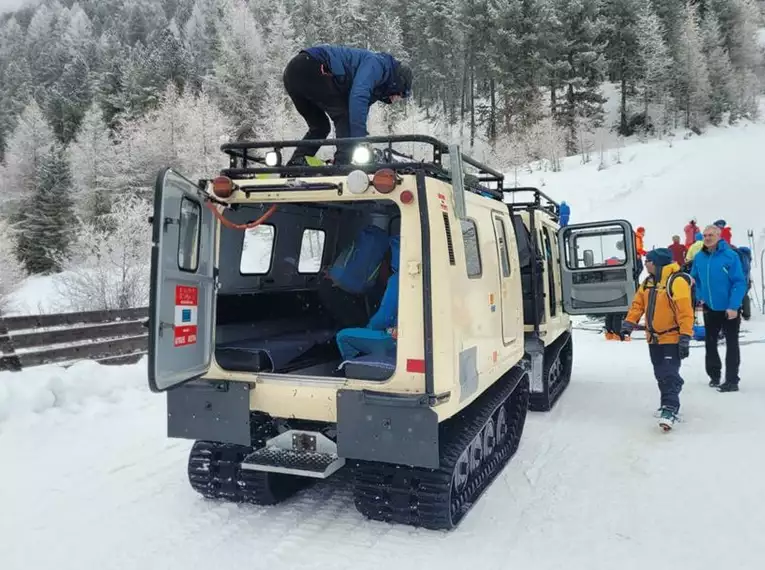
(665, 318)
(639, 242)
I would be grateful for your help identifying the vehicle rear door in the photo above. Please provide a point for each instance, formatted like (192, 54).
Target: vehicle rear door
(182, 295)
(599, 267)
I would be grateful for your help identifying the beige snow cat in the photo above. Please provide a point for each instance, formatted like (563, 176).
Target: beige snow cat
(394, 316)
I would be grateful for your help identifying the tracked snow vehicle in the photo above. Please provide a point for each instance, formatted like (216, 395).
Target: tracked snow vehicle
(268, 286)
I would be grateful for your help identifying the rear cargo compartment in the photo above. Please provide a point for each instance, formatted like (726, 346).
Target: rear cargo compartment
(292, 283)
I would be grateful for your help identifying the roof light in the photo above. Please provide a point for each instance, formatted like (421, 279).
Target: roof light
(361, 155)
(384, 180)
(273, 158)
(358, 182)
(223, 186)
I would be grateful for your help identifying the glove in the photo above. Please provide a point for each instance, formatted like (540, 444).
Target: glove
(684, 345)
(627, 328)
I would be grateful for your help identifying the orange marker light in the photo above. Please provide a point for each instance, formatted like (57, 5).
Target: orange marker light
(384, 180)
(223, 187)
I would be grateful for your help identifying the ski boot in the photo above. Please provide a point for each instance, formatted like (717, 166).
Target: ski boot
(667, 418)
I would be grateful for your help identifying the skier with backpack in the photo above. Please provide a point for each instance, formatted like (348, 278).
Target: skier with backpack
(665, 299)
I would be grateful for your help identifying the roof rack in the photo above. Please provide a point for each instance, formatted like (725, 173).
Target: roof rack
(540, 201)
(242, 163)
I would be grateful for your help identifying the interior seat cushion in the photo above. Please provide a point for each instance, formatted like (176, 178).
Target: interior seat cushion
(369, 367)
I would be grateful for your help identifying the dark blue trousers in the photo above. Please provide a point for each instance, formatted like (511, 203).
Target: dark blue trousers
(666, 367)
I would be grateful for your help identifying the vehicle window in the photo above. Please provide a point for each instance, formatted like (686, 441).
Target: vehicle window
(504, 256)
(257, 250)
(311, 251)
(188, 235)
(472, 253)
(596, 247)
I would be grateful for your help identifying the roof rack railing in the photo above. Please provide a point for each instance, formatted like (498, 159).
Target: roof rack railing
(540, 201)
(240, 159)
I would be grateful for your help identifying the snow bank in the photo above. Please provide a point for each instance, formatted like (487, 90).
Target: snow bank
(41, 388)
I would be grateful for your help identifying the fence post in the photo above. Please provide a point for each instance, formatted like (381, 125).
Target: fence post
(10, 360)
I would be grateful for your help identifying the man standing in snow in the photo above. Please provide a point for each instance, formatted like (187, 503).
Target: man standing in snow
(665, 299)
(342, 82)
(720, 286)
(678, 251)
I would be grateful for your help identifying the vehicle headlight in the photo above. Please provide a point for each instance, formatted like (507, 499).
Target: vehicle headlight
(361, 155)
(273, 158)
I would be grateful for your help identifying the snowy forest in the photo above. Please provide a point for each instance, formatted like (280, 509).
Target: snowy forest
(98, 95)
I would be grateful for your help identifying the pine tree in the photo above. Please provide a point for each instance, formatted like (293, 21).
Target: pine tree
(12, 272)
(46, 225)
(654, 57)
(583, 70)
(721, 80)
(692, 76)
(93, 161)
(27, 148)
(623, 43)
(15, 79)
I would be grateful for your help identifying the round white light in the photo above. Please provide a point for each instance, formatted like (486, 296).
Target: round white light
(272, 158)
(358, 182)
(361, 155)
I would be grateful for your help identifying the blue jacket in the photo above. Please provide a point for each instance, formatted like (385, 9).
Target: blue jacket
(367, 76)
(720, 281)
(387, 314)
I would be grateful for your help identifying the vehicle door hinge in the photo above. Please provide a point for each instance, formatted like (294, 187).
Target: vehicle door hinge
(413, 267)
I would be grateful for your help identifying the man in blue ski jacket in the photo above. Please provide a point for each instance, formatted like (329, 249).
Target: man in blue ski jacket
(720, 286)
(342, 82)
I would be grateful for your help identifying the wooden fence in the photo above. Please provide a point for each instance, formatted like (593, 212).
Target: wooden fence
(109, 337)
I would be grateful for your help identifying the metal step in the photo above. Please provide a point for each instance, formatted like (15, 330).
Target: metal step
(307, 454)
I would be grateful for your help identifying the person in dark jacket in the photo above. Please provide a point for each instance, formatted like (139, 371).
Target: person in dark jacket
(720, 286)
(342, 82)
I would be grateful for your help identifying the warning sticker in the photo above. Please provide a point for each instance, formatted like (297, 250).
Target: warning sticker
(186, 307)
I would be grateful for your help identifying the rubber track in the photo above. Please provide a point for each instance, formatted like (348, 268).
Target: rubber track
(422, 497)
(545, 402)
(214, 471)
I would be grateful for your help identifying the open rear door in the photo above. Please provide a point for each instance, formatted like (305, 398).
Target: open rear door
(599, 268)
(182, 297)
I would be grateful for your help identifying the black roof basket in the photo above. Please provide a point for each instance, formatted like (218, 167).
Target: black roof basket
(243, 163)
(539, 201)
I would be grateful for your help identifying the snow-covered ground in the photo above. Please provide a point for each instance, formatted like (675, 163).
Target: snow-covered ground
(89, 479)
(92, 482)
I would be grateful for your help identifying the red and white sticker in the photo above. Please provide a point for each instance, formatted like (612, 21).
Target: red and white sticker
(186, 308)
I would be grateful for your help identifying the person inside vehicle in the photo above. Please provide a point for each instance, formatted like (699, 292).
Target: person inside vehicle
(342, 83)
(379, 336)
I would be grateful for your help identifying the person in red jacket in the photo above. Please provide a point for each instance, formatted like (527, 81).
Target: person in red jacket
(691, 229)
(678, 251)
(725, 231)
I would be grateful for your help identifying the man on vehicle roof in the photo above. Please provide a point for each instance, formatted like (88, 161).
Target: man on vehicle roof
(342, 82)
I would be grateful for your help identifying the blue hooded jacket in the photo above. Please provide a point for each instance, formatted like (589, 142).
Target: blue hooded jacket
(367, 76)
(720, 281)
(387, 315)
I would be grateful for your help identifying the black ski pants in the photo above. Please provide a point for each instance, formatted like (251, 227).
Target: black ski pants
(714, 322)
(315, 95)
(666, 368)
(614, 322)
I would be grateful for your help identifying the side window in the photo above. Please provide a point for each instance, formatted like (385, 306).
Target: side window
(311, 251)
(551, 267)
(257, 250)
(188, 235)
(472, 253)
(504, 256)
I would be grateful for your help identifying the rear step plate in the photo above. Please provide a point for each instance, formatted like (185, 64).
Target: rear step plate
(290, 462)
